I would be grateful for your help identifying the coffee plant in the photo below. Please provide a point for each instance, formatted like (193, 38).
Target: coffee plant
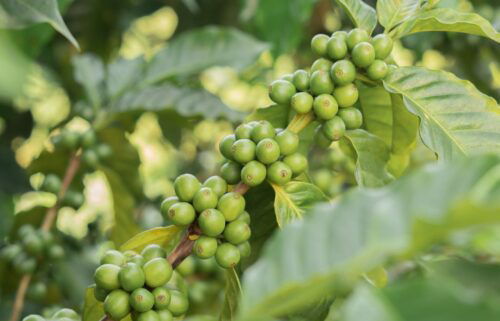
(319, 208)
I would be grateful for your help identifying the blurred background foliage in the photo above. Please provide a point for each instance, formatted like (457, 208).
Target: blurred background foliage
(163, 81)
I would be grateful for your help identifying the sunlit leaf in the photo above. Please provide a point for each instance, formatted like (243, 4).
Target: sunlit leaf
(89, 72)
(158, 235)
(362, 15)
(392, 12)
(231, 297)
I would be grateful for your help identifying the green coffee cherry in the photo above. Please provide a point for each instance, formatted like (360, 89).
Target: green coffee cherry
(245, 249)
(336, 48)
(34, 317)
(267, 151)
(356, 36)
(343, 72)
(227, 255)
(297, 163)
(205, 198)
(383, 46)
(321, 83)
(100, 294)
(157, 272)
(181, 213)
(90, 158)
(165, 315)
(325, 106)
(186, 185)
(137, 259)
(287, 77)
(301, 80)
(117, 304)
(88, 139)
(179, 303)
(66, 313)
(37, 291)
(205, 247)
(51, 184)
(225, 146)
(46, 237)
(302, 102)
(279, 173)
(243, 131)
(340, 34)
(245, 217)
(253, 173)
(106, 277)
(352, 117)
(74, 199)
(217, 184)
(162, 298)
(377, 70)
(346, 96)
(26, 230)
(243, 150)
(321, 64)
(237, 232)
(70, 139)
(363, 54)
(288, 142)
(281, 91)
(10, 252)
(166, 204)
(33, 244)
(150, 315)
(231, 205)
(131, 277)
(319, 43)
(320, 139)
(113, 257)
(211, 222)
(323, 179)
(230, 172)
(24, 264)
(153, 251)
(55, 252)
(129, 254)
(103, 151)
(263, 129)
(334, 128)
(141, 300)
(187, 267)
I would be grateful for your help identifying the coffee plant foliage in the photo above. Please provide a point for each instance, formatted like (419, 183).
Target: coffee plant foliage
(357, 188)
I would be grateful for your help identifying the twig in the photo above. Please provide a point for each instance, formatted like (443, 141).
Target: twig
(48, 221)
(241, 188)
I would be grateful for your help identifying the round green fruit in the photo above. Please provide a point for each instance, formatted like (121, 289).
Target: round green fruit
(340, 34)
(106, 277)
(336, 48)
(90, 158)
(100, 294)
(325, 106)
(287, 77)
(346, 96)
(179, 303)
(181, 214)
(204, 199)
(225, 146)
(103, 151)
(205, 247)
(37, 291)
(237, 232)
(157, 272)
(281, 91)
(153, 251)
(33, 317)
(245, 217)
(217, 184)
(253, 173)
(297, 162)
(319, 43)
(74, 199)
(323, 179)
(279, 173)
(352, 117)
(187, 267)
(321, 64)
(33, 244)
(321, 83)
(186, 186)
(267, 151)
(243, 131)
(10, 252)
(55, 252)
(66, 313)
(356, 36)
(363, 54)
(243, 150)
(231, 205)
(302, 102)
(263, 129)
(320, 139)
(166, 204)
(117, 304)
(245, 249)
(113, 257)
(137, 259)
(230, 172)
(383, 46)
(70, 139)
(343, 72)
(288, 142)
(51, 184)
(227, 255)
(162, 298)
(131, 277)
(89, 139)
(301, 80)
(165, 315)
(211, 222)
(377, 70)
(150, 315)
(334, 128)
(141, 300)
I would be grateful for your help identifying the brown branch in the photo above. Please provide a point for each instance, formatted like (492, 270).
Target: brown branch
(185, 246)
(48, 221)
(241, 188)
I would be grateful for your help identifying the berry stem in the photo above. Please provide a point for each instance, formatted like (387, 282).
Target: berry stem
(241, 188)
(365, 79)
(48, 221)
(183, 249)
(300, 121)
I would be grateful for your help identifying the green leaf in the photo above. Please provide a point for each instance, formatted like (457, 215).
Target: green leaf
(231, 296)
(333, 246)
(293, 199)
(372, 157)
(197, 50)
(277, 115)
(392, 12)
(446, 19)
(188, 102)
(122, 75)
(93, 310)
(376, 105)
(158, 235)
(89, 72)
(362, 15)
(23, 13)
(455, 118)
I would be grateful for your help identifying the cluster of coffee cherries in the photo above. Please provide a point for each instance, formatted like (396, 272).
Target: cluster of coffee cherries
(136, 284)
(328, 89)
(60, 315)
(32, 247)
(72, 198)
(93, 151)
(336, 172)
(220, 215)
(257, 151)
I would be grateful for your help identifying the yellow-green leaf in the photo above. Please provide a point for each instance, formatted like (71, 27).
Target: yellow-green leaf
(158, 235)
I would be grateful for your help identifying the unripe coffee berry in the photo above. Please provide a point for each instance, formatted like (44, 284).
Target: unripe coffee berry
(205, 247)
(245, 217)
(334, 128)
(51, 184)
(302, 102)
(166, 204)
(205, 198)
(319, 43)
(90, 158)
(227, 255)
(336, 48)
(150, 315)
(66, 313)
(267, 151)
(181, 213)
(245, 249)
(179, 303)
(346, 96)
(211, 222)
(301, 80)
(356, 36)
(217, 184)
(363, 54)
(117, 304)
(263, 129)
(88, 139)
(231, 205)
(34, 317)
(100, 294)
(225, 146)
(237, 232)
(377, 70)
(279, 173)
(321, 64)
(186, 185)
(162, 298)
(243, 150)
(243, 131)
(320, 138)
(343, 72)
(352, 117)
(141, 300)
(131, 277)
(297, 162)
(253, 173)
(106, 277)
(113, 257)
(281, 91)
(325, 106)
(230, 172)
(383, 46)
(321, 83)
(288, 142)
(157, 272)
(152, 251)
(165, 315)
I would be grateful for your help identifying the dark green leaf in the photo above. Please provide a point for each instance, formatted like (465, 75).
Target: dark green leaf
(231, 297)
(89, 72)
(362, 15)
(123, 74)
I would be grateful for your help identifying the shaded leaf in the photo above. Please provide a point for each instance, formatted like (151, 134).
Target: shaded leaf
(123, 74)
(158, 235)
(455, 118)
(231, 296)
(362, 15)
(392, 12)
(89, 72)
(277, 115)
(376, 105)
(93, 310)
